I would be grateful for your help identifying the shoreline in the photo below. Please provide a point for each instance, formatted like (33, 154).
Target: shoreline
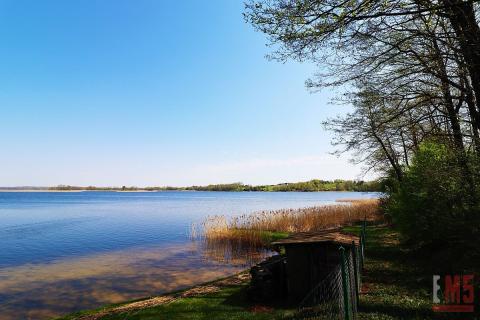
(225, 298)
(238, 280)
(37, 190)
(151, 191)
(314, 185)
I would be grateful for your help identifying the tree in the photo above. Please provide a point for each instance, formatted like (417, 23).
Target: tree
(406, 54)
(411, 71)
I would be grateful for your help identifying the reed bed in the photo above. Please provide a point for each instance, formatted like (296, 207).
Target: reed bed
(224, 243)
(249, 233)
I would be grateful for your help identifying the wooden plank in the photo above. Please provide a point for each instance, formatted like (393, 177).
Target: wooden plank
(324, 236)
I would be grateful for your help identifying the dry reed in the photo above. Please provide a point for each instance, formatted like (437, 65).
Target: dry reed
(251, 232)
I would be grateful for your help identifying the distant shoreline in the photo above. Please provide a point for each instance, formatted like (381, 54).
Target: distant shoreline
(38, 190)
(53, 190)
(314, 185)
(152, 191)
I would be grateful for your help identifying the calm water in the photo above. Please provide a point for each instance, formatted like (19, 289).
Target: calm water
(61, 252)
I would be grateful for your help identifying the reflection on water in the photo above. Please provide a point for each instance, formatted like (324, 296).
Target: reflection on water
(47, 290)
(233, 251)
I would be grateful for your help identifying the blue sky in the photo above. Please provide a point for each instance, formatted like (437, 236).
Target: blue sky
(151, 92)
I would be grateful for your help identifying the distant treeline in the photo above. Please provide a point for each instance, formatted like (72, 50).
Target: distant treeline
(308, 186)
(312, 185)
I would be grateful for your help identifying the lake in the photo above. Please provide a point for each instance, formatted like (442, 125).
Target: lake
(66, 251)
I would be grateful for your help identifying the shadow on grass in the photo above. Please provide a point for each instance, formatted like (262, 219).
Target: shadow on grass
(394, 286)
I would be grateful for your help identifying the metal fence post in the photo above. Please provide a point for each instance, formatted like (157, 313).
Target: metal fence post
(359, 268)
(362, 241)
(364, 227)
(360, 252)
(346, 303)
(355, 271)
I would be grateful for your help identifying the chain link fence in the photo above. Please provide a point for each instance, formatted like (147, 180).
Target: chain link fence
(336, 296)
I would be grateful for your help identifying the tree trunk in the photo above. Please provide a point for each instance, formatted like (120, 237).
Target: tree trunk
(461, 15)
(474, 116)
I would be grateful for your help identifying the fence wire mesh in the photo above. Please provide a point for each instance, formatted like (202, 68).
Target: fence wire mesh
(352, 287)
(329, 299)
(325, 300)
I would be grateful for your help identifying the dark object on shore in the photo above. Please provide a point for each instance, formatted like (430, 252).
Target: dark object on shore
(310, 257)
(268, 280)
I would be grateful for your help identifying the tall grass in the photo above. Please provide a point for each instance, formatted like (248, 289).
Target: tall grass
(231, 237)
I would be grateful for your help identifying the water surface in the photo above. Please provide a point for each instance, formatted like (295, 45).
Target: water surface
(66, 251)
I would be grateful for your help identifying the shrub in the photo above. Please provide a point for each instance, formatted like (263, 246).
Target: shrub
(434, 205)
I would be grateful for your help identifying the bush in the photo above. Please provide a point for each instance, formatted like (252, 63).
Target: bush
(434, 205)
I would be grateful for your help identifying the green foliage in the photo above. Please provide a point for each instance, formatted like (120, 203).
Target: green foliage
(434, 204)
(237, 186)
(271, 236)
(308, 186)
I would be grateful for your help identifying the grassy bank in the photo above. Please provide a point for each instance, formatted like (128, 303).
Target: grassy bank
(224, 299)
(396, 285)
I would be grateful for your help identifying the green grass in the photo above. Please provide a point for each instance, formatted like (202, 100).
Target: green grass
(396, 285)
(271, 236)
(230, 303)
